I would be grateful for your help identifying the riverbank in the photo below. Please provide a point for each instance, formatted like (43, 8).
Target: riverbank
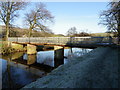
(97, 69)
(7, 48)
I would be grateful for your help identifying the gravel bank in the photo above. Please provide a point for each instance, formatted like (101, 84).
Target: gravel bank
(97, 69)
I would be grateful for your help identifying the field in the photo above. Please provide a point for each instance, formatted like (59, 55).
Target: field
(102, 34)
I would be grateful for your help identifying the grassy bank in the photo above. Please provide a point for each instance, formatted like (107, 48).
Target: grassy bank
(7, 48)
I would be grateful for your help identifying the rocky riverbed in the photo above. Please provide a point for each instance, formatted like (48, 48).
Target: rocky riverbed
(97, 69)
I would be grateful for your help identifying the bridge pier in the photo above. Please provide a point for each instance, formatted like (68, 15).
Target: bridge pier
(31, 59)
(31, 49)
(58, 55)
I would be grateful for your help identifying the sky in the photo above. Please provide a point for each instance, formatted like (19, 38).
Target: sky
(82, 15)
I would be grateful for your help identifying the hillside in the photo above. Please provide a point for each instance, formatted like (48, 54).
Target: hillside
(20, 32)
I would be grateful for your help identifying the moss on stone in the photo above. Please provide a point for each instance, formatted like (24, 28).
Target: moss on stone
(8, 47)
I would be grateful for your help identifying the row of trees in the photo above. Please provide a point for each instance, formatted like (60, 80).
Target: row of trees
(72, 32)
(35, 18)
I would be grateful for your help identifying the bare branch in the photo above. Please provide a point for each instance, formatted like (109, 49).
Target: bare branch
(37, 17)
(111, 17)
(9, 11)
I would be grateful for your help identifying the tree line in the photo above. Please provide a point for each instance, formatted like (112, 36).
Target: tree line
(72, 32)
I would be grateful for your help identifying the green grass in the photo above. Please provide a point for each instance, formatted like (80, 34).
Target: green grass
(0, 44)
(101, 34)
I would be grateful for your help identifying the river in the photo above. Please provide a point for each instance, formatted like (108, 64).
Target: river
(20, 69)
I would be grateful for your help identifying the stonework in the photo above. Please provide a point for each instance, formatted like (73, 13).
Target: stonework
(31, 49)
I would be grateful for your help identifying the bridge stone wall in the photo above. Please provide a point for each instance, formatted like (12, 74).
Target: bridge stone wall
(60, 40)
(31, 59)
(31, 49)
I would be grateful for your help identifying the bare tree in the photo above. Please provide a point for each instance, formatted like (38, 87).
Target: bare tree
(37, 17)
(72, 31)
(111, 17)
(8, 12)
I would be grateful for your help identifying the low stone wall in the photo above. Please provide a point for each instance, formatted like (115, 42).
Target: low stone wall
(17, 47)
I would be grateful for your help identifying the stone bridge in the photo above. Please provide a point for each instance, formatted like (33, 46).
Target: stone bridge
(61, 42)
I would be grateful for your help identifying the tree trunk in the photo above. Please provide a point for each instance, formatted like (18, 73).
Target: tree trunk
(30, 33)
(7, 25)
(7, 32)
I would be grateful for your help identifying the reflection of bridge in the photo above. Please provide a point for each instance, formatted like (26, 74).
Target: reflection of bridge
(17, 59)
(16, 69)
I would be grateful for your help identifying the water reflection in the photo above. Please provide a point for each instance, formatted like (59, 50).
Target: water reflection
(72, 53)
(46, 57)
(49, 57)
(13, 56)
(15, 77)
(31, 59)
(19, 69)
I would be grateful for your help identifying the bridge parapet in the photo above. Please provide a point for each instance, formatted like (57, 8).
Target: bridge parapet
(60, 40)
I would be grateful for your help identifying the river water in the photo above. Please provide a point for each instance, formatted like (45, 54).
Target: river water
(20, 69)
